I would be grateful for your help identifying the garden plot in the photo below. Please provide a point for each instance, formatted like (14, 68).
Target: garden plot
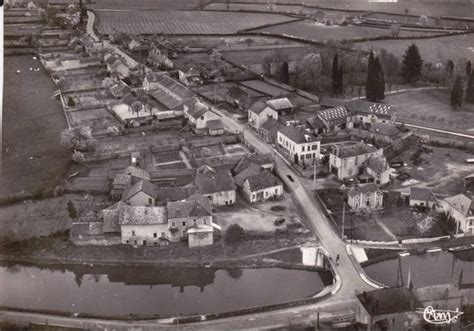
(99, 119)
(146, 4)
(215, 154)
(182, 22)
(167, 161)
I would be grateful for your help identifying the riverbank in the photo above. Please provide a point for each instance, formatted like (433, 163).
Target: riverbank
(280, 250)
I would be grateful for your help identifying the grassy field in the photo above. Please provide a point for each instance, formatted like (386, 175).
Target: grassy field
(432, 50)
(33, 158)
(183, 22)
(146, 4)
(433, 105)
(319, 32)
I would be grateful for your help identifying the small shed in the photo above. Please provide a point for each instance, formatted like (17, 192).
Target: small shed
(216, 127)
(200, 235)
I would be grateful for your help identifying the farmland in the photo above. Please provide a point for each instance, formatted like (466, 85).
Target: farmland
(311, 30)
(182, 22)
(146, 4)
(431, 50)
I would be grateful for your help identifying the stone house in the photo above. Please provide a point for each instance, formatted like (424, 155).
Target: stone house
(120, 184)
(378, 169)
(422, 197)
(142, 193)
(199, 114)
(140, 225)
(347, 161)
(263, 110)
(365, 196)
(119, 89)
(262, 186)
(265, 161)
(268, 131)
(217, 184)
(461, 208)
(117, 65)
(298, 143)
(216, 127)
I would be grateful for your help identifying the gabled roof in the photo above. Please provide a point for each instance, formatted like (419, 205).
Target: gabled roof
(215, 125)
(363, 188)
(262, 181)
(194, 206)
(258, 107)
(251, 170)
(212, 180)
(137, 172)
(140, 186)
(259, 159)
(353, 150)
(170, 84)
(271, 125)
(297, 135)
(422, 194)
(174, 193)
(140, 215)
(315, 123)
(122, 180)
(462, 204)
(169, 101)
(110, 217)
(367, 107)
(388, 301)
(279, 104)
(198, 109)
(338, 114)
(119, 88)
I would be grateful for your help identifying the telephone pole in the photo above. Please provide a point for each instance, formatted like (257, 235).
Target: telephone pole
(314, 174)
(343, 218)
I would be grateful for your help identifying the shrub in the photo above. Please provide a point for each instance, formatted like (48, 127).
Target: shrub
(234, 234)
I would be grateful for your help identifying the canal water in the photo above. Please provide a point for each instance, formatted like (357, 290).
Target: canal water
(114, 291)
(426, 269)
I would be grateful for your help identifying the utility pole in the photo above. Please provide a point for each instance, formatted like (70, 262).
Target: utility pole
(343, 218)
(314, 174)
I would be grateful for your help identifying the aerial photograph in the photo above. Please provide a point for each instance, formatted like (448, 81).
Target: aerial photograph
(237, 165)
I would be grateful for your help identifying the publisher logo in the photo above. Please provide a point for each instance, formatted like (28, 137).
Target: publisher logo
(439, 316)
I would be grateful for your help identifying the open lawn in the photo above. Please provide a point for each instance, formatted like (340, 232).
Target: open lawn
(182, 22)
(432, 106)
(33, 158)
(432, 50)
(311, 30)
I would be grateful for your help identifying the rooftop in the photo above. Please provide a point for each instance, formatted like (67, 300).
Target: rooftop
(462, 204)
(215, 125)
(297, 135)
(263, 181)
(194, 206)
(377, 164)
(421, 193)
(353, 150)
(388, 301)
(168, 100)
(139, 215)
(210, 180)
(140, 186)
(363, 188)
(334, 114)
(367, 107)
(174, 193)
(259, 159)
(279, 104)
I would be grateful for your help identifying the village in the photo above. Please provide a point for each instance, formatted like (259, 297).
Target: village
(200, 150)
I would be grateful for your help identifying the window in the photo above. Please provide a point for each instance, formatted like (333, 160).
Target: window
(194, 222)
(266, 193)
(128, 241)
(155, 235)
(184, 233)
(315, 147)
(302, 157)
(308, 156)
(150, 201)
(230, 202)
(134, 242)
(276, 191)
(183, 223)
(163, 234)
(204, 221)
(173, 224)
(133, 233)
(302, 148)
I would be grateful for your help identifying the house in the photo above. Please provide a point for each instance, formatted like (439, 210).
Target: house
(117, 65)
(169, 194)
(110, 218)
(216, 127)
(141, 225)
(367, 112)
(384, 132)
(315, 125)
(119, 89)
(161, 81)
(120, 184)
(217, 184)
(268, 131)
(194, 211)
(263, 110)
(365, 196)
(388, 309)
(461, 208)
(378, 168)
(299, 144)
(199, 114)
(346, 161)
(159, 60)
(137, 172)
(200, 235)
(262, 186)
(264, 161)
(469, 183)
(165, 101)
(191, 77)
(142, 193)
(335, 119)
(422, 197)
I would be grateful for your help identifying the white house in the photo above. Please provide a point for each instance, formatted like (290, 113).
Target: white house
(199, 114)
(378, 168)
(262, 186)
(422, 197)
(297, 142)
(217, 184)
(142, 193)
(141, 225)
(365, 196)
(346, 161)
(263, 110)
(193, 211)
(461, 208)
(117, 65)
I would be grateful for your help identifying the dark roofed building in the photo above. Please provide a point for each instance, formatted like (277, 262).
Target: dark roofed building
(371, 112)
(265, 161)
(388, 301)
(216, 183)
(420, 196)
(142, 193)
(168, 194)
(216, 127)
(262, 186)
(335, 119)
(268, 131)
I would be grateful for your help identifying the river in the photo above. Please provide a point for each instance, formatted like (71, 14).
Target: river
(117, 290)
(426, 269)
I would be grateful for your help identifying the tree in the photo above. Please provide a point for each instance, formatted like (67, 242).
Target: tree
(337, 76)
(411, 65)
(468, 69)
(457, 93)
(136, 107)
(391, 67)
(308, 73)
(234, 234)
(71, 209)
(285, 73)
(470, 89)
(70, 102)
(450, 68)
(379, 92)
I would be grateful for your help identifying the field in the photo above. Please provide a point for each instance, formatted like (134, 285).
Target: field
(432, 50)
(433, 106)
(311, 30)
(33, 158)
(146, 4)
(182, 22)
